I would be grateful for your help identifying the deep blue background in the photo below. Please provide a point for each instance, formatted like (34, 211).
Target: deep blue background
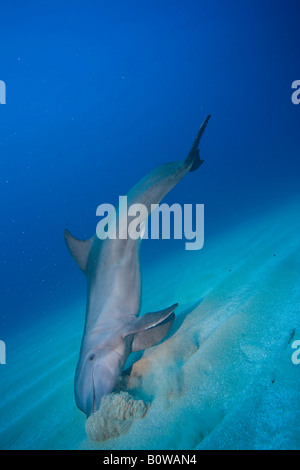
(99, 93)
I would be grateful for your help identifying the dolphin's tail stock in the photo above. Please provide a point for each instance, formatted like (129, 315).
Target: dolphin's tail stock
(194, 156)
(151, 189)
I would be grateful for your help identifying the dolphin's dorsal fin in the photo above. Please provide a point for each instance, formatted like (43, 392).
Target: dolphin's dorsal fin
(150, 328)
(79, 249)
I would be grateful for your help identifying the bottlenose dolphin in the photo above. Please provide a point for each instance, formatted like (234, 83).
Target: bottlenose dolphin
(112, 327)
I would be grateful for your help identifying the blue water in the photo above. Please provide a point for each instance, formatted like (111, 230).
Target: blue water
(99, 93)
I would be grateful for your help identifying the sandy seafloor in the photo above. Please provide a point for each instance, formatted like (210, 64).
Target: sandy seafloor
(223, 379)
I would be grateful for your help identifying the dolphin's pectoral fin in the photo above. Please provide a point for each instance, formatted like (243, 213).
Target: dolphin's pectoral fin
(147, 338)
(150, 328)
(79, 249)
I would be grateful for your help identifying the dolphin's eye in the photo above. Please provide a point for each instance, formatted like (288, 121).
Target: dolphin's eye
(92, 357)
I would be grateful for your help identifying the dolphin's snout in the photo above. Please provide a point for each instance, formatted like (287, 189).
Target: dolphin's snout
(104, 381)
(96, 376)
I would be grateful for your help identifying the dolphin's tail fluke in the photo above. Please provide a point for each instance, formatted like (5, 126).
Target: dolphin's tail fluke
(194, 156)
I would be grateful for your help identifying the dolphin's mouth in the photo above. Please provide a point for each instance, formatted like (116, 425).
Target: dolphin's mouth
(103, 388)
(93, 408)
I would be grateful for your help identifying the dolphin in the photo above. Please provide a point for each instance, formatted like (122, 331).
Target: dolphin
(113, 328)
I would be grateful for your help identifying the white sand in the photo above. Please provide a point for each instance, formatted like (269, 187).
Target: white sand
(224, 377)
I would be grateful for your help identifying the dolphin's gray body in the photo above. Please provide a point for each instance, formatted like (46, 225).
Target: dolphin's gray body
(112, 328)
